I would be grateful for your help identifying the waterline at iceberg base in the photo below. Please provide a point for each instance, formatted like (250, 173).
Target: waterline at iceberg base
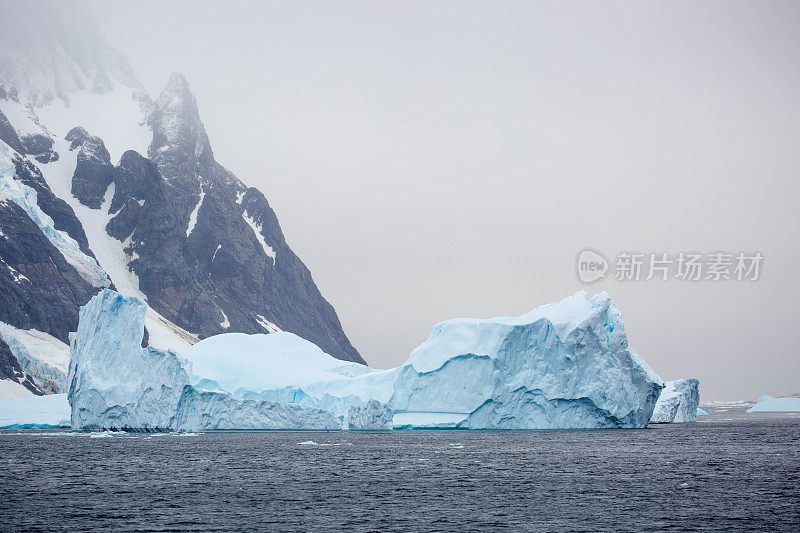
(562, 366)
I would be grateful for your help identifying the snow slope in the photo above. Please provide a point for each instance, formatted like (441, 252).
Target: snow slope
(118, 117)
(12, 389)
(36, 412)
(39, 354)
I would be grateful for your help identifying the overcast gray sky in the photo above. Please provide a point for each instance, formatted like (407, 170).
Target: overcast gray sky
(431, 160)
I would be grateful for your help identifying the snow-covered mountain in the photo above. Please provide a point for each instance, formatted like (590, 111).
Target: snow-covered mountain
(103, 186)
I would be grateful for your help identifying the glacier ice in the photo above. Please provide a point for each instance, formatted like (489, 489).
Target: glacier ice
(26, 198)
(769, 404)
(702, 412)
(678, 402)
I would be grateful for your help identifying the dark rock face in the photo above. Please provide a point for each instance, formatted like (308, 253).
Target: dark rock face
(62, 214)
(8, 134)
(38, 287)
(220, 266)
(10, 369)
(94, 171)
(40, 147)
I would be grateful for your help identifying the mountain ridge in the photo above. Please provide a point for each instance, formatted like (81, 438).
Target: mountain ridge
(168, 224)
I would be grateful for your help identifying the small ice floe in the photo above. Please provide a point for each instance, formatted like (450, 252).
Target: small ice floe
(456, 445)
(312, 443)
(101, 435)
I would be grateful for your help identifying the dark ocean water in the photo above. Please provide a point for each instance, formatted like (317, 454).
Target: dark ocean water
(710, 476)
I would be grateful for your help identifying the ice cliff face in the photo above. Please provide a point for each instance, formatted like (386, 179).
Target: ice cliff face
(371, 415)
(564, 365)
(114, 383)
(678, 402)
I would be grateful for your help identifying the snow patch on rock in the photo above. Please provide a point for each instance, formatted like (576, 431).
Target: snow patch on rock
(195, 211)
(257, 230)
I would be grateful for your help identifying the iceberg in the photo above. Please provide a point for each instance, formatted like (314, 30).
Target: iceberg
(563, 365)
(702, 412)
(678, 402)
(115, 384)
(767, 404)
(35, 412)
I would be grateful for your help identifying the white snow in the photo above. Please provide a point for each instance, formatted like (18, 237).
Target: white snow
(109, 251)
(23, 118)
(240, 197)
(257, 230)
(34, 411)
(26, 198)
(267, 325)
(11, 389)
(116, 117)
(219, 246)
(261, 362)
(193, 215)
(225, 322)
(39, 353)
(770, 404)
(17, 275)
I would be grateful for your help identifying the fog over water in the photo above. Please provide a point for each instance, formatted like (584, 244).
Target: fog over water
(431, 160)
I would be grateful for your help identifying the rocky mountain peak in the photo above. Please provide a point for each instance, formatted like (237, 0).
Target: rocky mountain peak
(179, 137)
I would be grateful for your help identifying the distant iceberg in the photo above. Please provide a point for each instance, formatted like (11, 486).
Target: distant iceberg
(678, 402)
(767, 404)
(563, 365)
